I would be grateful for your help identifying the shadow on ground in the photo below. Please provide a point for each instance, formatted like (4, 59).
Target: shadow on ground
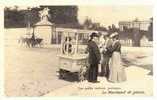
(70, 77)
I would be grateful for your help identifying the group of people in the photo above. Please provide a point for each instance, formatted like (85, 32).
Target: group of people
(107, 54)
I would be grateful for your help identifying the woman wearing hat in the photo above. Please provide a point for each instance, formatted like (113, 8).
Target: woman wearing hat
(117, 71)
(94, 58)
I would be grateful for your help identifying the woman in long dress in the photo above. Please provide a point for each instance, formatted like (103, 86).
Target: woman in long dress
(117, 71)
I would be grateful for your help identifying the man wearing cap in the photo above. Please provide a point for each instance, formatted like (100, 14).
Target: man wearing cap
(94, 58)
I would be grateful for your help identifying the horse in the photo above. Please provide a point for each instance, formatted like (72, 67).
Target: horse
(23, 40)
(37, 41)
(30, 42)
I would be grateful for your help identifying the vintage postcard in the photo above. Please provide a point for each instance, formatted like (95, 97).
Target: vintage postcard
(78, 50)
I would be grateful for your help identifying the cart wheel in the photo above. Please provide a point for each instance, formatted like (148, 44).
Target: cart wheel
(82, 73)
(61, 74)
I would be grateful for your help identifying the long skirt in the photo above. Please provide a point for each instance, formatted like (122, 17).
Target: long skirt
(93, 72)
(117, 71)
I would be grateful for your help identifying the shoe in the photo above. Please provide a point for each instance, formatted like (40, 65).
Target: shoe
(90, 81)
(102, 74)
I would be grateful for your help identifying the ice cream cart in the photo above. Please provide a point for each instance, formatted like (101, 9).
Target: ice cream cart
(71, 60)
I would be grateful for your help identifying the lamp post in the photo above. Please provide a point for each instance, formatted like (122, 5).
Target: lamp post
(28, 21)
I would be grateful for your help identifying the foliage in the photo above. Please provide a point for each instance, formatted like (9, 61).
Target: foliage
(59, 15)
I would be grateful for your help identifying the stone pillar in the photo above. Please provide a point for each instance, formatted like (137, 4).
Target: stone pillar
(53, 33)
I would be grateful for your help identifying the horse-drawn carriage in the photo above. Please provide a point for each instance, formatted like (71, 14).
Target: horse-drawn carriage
(71, 60)
(30, 40)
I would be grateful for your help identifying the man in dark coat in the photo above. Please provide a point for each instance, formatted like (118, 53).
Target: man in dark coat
(94, 58)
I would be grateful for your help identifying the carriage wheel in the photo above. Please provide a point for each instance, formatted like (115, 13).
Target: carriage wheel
(61, 74)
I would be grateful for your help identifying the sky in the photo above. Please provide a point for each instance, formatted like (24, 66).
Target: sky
(107, 15)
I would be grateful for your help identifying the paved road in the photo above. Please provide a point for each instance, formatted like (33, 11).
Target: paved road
(31, 71)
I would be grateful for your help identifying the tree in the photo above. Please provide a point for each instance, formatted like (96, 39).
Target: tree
(16, 8)
(59, 15)
(112, 28)
(150, 30)
(87, 23)
(6, 8)
(13, 17)
(95, 26)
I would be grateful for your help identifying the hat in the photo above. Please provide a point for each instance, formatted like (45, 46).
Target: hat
(114, 34)
(94, 35)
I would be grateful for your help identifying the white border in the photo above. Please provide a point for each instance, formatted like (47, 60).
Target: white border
(1, 51)
(74, 2)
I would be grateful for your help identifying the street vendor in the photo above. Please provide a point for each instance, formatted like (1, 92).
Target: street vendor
(94, 57)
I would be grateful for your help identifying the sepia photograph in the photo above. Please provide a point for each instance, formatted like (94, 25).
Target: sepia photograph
(78, 50)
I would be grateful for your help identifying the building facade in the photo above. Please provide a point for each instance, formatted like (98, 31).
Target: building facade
(142, 25)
